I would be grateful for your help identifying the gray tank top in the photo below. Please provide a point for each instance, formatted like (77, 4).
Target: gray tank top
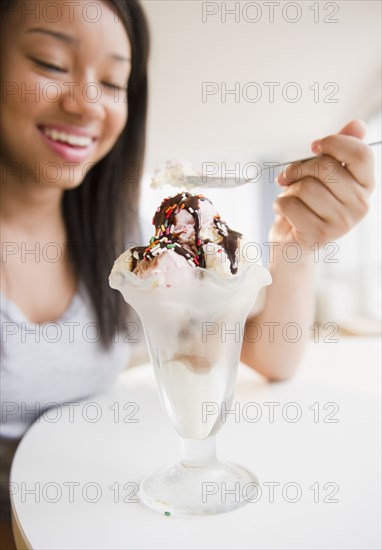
(45, 364)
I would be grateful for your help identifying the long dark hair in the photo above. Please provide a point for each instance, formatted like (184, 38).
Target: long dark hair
(101, 215)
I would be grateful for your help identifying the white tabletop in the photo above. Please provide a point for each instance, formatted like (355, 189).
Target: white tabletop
(330, 458)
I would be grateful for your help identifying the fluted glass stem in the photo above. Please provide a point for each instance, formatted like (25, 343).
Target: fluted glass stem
(198, 453)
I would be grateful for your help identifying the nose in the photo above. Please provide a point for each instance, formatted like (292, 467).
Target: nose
(83, 99)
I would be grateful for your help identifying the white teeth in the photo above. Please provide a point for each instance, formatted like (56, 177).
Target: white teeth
(79, 141)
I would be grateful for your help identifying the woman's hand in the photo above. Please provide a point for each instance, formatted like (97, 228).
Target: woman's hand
(325, 197)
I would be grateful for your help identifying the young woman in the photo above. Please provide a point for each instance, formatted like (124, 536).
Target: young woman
(73, 135)
(74, 88)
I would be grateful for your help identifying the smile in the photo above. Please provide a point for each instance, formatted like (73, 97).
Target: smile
(71, 139)
(69, 145)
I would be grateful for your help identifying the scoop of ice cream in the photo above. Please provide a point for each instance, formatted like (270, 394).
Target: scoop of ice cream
(165, 267)
(192, 221)
(189, 218)
(189, 233)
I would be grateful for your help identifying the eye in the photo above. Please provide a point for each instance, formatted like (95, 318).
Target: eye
(114, 85)
(47, 66)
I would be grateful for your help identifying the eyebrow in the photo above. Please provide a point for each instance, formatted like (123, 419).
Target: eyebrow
(61, 36)
(73, 41)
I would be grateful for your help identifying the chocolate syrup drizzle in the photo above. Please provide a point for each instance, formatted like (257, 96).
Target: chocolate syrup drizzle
(230, 243)
(164, 219)
(137, 256)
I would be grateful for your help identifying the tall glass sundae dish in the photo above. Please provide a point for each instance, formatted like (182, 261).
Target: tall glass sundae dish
(193, 288)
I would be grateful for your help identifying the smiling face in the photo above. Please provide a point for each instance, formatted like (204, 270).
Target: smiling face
(64, 90)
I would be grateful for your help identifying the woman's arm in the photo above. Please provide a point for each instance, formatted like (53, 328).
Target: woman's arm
(322, 200)
(268, 343)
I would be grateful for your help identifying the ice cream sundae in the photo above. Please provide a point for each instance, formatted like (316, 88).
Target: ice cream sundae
(193, 288)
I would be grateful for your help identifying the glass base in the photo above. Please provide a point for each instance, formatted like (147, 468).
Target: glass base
(182, 490)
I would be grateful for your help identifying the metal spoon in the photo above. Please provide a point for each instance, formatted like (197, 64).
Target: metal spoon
(207, 181)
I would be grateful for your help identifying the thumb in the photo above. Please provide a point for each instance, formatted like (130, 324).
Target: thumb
(355, 128)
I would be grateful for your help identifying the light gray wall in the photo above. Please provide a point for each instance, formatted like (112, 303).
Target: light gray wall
(187, 52)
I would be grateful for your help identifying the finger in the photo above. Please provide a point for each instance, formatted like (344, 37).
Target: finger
(333, 176)
(356, 128)
(325, 205)
(356, 155)
(301, 218)
(318, 199)
(325, 168)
